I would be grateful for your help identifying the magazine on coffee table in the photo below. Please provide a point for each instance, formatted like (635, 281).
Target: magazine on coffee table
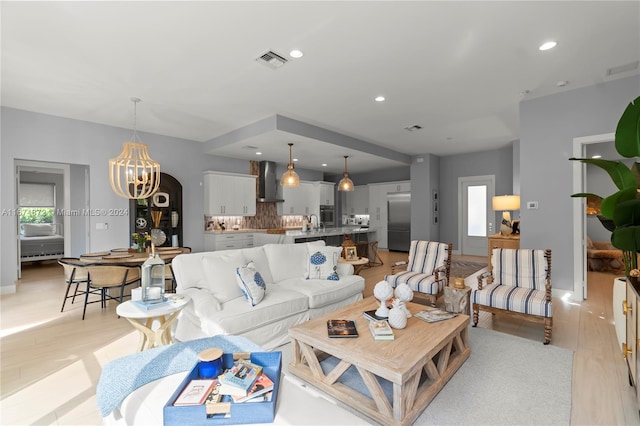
(434, 315)
(341, 328)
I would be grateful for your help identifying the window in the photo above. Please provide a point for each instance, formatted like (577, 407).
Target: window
(37, 202)
(477, 211)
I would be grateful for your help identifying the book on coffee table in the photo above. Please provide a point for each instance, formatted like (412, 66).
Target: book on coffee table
(381, 330)
(342, 328)
(434, 315)
(371, 316)
(239, 379)
(262, 385)
(196, 392)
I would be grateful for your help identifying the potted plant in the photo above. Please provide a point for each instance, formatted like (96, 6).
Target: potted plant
(620, 211)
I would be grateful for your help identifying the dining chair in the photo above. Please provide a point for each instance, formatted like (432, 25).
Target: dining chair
(169, 278)
(104, 277)
(74, 273)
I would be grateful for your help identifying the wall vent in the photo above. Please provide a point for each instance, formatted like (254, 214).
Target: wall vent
(622, 68)
(272, 60)
(413, 128)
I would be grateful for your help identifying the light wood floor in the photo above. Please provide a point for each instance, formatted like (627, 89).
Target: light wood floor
(51, 361)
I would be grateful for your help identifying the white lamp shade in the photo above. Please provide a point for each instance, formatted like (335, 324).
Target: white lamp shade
(506, 202)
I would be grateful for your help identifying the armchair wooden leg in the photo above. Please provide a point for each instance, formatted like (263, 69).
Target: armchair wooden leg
(475, 315)
(548, 323)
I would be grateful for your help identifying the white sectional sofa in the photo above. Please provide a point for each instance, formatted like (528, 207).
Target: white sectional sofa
(219, 306)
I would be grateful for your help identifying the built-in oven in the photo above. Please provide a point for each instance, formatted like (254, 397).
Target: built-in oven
(327, 216)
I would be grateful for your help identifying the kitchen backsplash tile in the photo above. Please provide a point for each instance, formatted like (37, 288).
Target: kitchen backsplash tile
(266, 217)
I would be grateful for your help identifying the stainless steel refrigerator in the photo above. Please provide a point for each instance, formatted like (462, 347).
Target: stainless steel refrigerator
(399, 221)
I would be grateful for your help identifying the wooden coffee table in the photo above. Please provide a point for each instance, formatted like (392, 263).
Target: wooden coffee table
(437, 349)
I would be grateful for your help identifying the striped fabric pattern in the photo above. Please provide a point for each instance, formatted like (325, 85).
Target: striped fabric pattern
(519, 268)
(517, 299)
(424, 258)
(423, 283)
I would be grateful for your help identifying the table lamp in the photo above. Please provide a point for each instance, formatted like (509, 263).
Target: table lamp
(506, 203)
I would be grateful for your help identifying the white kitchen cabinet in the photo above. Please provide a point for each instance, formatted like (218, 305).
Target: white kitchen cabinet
(327, 193)
(228, 241)
(358, 200)
(229, 194)
(298, 200)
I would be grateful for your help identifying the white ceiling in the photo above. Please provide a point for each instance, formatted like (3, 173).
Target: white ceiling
(458, 69)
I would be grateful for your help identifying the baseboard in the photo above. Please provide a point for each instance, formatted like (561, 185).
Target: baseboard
(7, 289)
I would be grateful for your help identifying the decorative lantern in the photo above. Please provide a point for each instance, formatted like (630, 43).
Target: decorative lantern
(153, 278)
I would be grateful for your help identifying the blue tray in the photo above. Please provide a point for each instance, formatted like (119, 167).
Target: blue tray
(242, 413)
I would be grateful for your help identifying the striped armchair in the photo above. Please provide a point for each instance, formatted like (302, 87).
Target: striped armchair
(519, 284)
(427, 269)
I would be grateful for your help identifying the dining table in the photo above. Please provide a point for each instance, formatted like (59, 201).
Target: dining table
(131, 257)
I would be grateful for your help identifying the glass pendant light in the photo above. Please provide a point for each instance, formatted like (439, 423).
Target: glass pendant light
(290, 178)
(346, 184)
(133, 173)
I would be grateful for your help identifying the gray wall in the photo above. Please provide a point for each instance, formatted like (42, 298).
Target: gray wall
(31, 136)
(78, 200)
(498, 162)
(424, 180)
(548, 126)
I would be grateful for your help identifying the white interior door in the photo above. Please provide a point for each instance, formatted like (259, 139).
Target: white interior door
(474, 213)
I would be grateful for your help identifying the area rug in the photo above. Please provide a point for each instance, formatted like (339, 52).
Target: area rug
(506, 380)
(463, 269)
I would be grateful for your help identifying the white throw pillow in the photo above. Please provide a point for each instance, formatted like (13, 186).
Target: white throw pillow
(251, 283)
(220, 273)
(323, 263)
(36, 229)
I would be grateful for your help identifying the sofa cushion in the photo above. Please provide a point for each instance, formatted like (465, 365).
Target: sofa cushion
(324, 292)
(220, 274)
(259, 258)
(236, 318)
(422, 283)
(516, 299)
(251, 283)
(523, 268)
(322, 263)
(288, 260)
(188, 271)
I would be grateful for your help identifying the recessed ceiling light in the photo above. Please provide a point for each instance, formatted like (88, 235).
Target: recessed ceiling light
(295, 159)
(548, 45)
(258, 153)
(596, 156)
(295, 53)
(380, 98)
(562, 83)
(324, 164)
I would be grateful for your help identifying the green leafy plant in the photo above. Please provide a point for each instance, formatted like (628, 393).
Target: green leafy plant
(36, 215)
(622, 208)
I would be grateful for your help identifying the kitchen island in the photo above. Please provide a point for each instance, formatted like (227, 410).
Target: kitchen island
(233, 239)
(332, 236)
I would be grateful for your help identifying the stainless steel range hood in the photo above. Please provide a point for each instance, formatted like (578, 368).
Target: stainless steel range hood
(268, 183)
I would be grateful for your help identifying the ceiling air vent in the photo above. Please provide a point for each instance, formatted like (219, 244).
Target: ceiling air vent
(413, 128)
(272, 60)
(622, 68)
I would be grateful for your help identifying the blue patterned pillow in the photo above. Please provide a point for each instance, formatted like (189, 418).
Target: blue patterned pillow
(323, 263)
(251, 283)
